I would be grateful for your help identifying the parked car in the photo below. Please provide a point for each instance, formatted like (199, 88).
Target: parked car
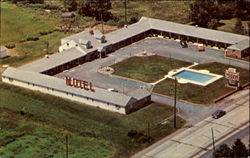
(112, 90)
(218, 113)
(201, 47)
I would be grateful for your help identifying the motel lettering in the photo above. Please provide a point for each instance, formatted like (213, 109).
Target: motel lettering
(79, 84)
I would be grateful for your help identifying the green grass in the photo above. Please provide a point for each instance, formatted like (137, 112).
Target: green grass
(176, 11)
(90, 122)
(199, 94)
(147, 69)
(21, 137)
(32, 50)
(229, 25)
(19, 23)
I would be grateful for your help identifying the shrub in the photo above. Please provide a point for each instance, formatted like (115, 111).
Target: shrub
(133, 20)
(32, 38)
(10, 46)
(111, 22)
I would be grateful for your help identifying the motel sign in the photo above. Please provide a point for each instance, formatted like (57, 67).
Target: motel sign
(79, 84)
(232, 76)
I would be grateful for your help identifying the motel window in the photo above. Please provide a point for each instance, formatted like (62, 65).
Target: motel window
(3, 77)
(11, 79)
(28, 83)
(52, 89)
(67, 93)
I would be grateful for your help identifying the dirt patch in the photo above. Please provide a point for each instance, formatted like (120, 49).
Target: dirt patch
(106, 28)
(13, 52)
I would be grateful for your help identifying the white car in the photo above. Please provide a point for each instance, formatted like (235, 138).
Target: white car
(112, 90)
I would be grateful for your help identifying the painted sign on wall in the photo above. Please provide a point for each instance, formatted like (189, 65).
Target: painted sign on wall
(79, 84)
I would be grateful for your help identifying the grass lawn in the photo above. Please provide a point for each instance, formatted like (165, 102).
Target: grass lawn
(147, 69)
(32, 50)
(22, 137)
(176, 11)
(106, 131)
(230, 24)
(19, 23)
(199, 94)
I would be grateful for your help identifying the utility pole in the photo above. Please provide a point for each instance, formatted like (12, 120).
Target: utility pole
(148, 131)
(175, 84)
(125, 7)
(213, 139)
(102, 24)
(67, 146)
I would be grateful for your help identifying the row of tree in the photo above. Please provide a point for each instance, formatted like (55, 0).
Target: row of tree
(93, 8)
(238, 150)
(208, 13)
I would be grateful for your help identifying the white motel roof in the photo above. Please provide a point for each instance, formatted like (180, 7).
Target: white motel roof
(146, 24)
(60, 85)
(54, 60)
(241, 45)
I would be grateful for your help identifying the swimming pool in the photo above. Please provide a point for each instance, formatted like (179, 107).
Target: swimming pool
(198, 77)
(194, 76)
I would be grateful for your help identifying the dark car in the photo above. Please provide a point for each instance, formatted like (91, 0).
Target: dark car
(218, 113)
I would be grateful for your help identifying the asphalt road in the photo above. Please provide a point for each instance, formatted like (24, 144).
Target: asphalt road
(196, 140)
(243, 135)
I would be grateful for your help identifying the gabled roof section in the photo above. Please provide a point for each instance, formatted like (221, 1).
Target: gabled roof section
(139, 93)
(129, 31)
(54, 60)
(241, 45)
(59, 84)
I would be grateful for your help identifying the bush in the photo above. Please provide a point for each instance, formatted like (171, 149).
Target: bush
(32, 38)
(10, 46)
(111, 22)
(133, 20)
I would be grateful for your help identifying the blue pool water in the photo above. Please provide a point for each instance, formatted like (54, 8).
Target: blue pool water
(194, 76)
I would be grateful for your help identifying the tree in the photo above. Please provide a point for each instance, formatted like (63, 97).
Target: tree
(202, 12)
(223, 151)
(213, 24)
(238, 28)
(96, 8)
(70, 5)
(239, 149)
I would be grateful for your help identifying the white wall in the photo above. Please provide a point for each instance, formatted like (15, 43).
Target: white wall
(64, 95)
(66, 46)
(3, 53)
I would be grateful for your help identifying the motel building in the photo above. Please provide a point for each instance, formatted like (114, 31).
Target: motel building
(89, 45)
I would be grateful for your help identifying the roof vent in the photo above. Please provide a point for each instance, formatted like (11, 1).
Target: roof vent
(196, 26)
(88, 45)
(103, 39)
(91, 32)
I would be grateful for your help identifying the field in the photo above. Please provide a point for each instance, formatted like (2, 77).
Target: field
(147, 69)
(198, 94)
(18, 24)
(176, 11)
(230, 24)
(47, 119)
